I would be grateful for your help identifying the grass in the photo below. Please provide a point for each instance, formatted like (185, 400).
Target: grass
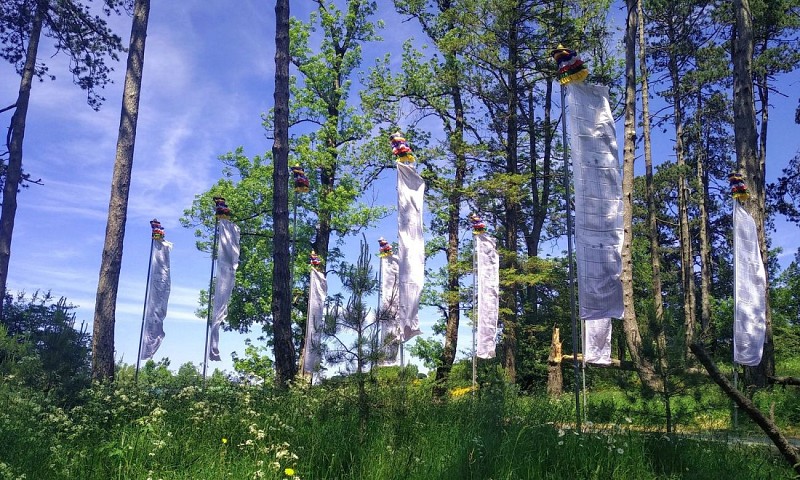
(172, 430)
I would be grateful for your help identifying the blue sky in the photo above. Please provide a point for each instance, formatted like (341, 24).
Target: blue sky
(207, 78)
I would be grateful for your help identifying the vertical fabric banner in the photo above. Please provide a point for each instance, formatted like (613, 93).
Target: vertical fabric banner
(488, 283)
(389, 325)
(411, 271)
(597, 341)
(157, 299)
(750, 287)
(598, 201)
(317, 293)
(227, 263)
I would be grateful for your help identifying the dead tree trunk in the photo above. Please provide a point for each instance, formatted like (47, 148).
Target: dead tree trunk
(787, 450)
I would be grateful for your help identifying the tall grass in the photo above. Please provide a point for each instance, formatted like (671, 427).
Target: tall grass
(177, 431)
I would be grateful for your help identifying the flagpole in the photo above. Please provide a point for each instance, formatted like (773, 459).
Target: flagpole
(144, 310)
(571, 275)
(474, 314)
(210, 296)
(735, 367)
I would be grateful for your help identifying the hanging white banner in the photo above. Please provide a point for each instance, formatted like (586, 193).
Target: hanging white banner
(488, 277)
(158, 289)
(315, 321)
(411, 271)
(750, 287)
(389, 325)
(597, 341)
(227, 263)
(598, 201)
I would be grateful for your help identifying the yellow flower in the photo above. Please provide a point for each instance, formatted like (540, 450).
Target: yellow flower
(224, 441)
(289, 471)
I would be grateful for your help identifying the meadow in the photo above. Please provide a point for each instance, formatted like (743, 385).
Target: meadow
(175, 426)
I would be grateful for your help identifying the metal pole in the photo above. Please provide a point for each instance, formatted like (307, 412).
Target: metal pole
(571, 275)
(210, 297)
(474, 315)
(144, 311)
(583, 370)
(735, 366)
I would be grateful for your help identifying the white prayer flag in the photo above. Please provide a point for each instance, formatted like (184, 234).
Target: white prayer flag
(410, 195)
(750, 291)
(315, 322)
(157, 299)
(389, 325)
(597, 341)
(598, 201)
(488, 276)
(227, 263)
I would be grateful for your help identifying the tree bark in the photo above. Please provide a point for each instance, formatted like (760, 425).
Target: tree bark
(14, 170)
(555, 378)
(787, 450)
(632, 335)
(687, 259)
(111, 262)
(750, 163)
(456, 142)
(652, 221)
(511, 207)
(705, 239)
(281, 288)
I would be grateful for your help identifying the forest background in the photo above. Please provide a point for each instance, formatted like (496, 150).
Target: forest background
(208, 80)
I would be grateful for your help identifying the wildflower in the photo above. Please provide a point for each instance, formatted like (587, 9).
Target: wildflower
(224, 441)
(289, 471)
(620, 451)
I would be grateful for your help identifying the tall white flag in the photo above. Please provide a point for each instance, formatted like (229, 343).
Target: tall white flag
(317, 293)
(389, 325)
(597, 341)
(750, 291)
(411, 271)
(157, 299)
(227, 263)
(488, 276)
(598, 201)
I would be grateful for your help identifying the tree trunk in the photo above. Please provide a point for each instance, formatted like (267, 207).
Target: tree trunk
(539, 198)
(14, 170)
(111, 262)
(749, 163)
(705, 239)
(281, 288)
(511, 207)
(687, 259)
(788, 451)
(634, 339)
(555, 377)
(652, 221)
(456, 142)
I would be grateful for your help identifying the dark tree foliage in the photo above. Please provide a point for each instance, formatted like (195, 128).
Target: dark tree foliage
(75, 31)
(784, 195)
(41, 347)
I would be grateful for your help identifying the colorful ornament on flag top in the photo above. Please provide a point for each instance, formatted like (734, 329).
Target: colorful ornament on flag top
(738, 187)
(221, 209)
(314, 260)
(301, 183)
(385, 248)
(478, 226)
(570, 67)
(401, 149)
(158, 230)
